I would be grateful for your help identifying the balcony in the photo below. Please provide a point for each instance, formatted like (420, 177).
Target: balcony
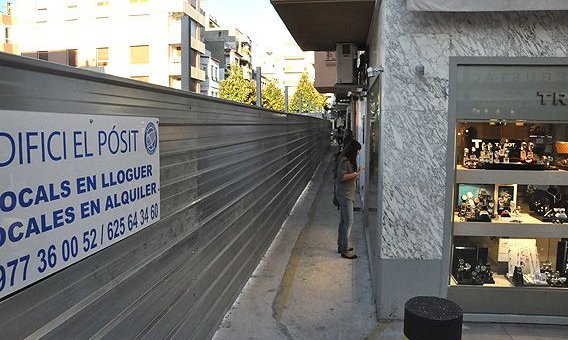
(330, 21)
(195, 14)
(197, 45)
(8, 48)
(197, 73)
(7, 20)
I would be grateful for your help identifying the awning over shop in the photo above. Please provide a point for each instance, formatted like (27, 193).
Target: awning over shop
(317, 25)
(486, 5)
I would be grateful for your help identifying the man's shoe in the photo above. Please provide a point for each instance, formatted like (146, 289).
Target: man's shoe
(348, 256)
(348, 249)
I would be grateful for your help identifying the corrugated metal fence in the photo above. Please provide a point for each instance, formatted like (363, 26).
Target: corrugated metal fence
(230, 175)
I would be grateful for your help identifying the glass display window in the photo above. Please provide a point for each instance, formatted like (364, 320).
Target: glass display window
(510, 223)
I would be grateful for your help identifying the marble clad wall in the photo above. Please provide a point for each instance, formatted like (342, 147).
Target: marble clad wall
(415, 108)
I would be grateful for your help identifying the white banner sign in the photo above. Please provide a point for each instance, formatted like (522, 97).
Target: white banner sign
(486, 5)
(70, 186)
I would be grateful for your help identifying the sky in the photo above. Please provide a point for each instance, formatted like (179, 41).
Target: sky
(255, 18)
(3, 6)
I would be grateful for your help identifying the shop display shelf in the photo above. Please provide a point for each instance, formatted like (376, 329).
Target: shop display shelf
(501, 281)
(535, 177)
(503, 227)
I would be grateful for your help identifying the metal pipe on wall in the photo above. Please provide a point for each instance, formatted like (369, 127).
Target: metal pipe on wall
(185, 53)
(258, 87)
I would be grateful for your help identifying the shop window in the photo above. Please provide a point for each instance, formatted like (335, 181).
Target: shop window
(102, 56)
(139, 54)
(72, 58)
(141, 78)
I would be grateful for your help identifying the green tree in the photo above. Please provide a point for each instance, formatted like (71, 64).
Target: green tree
(236, 88)
(309, 95)
(272, 97)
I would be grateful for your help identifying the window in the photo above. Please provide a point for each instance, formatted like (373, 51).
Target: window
(175, 54)
(102, 56)
(141, 78)
(8, 8)
(43, 55)
(72, 58)
(59, 57)
(195, 59)
(41, 5)
(29, 54)
(7, 31)
(195, 86)
(193, 29)
(139, 54)
(175, 82)
(138, 1)
(102, 3)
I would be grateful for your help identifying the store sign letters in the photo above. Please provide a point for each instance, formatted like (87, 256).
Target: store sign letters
(554, 98)
(70, 186)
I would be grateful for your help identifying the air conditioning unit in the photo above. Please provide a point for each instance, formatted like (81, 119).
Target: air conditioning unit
(346, 54)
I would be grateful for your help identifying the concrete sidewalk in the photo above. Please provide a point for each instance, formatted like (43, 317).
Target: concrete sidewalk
(303, 289)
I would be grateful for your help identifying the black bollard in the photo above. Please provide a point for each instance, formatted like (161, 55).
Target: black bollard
(432, 318)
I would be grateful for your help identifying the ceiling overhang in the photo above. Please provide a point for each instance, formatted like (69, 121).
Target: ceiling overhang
(318, 25)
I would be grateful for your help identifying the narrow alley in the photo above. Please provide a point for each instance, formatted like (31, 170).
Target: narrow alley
(302, 289)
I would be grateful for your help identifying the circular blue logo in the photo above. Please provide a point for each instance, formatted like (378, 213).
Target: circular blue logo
(151, 138)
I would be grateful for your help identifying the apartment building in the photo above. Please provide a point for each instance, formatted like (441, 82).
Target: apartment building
(286, 65)
(137, 39)
(229, 46)
(296, 62)
(210, 66)
(6, 28)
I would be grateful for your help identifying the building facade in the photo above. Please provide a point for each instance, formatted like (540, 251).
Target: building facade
(285, 65)
(296, 62)
(442, 76)
(137, 39)
(210, 66)
(229, 46)
(6, 28)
